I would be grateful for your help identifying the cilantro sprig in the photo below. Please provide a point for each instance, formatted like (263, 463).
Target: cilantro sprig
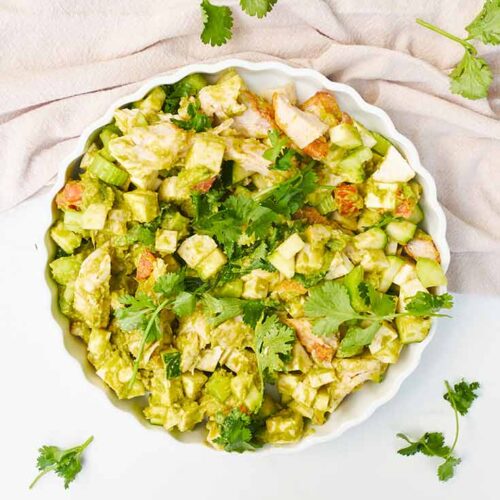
(236, 216)
(472, 76)
(65, 463)
(432, 444)
(218, 19)
(329, 305)
(288, 196)
(279, 154)
(237, 431)
(198, 121)
(142, 312)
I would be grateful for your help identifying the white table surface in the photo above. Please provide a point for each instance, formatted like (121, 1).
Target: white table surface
(47, 400)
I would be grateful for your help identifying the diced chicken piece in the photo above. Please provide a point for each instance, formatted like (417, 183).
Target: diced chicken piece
(70, 196)
(321, 350)
(325, 107)
(247, 154)
(318, 149)
(352, 373)
(287, 90)
(312, 216)
(422, 246)
(92, 298)
(257, 120)
(204, 186)
(221, 99)
(348, 200)
(300, 126)
(145, 265)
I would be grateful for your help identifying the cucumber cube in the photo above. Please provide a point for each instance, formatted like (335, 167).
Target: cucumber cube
(143, 204)
(374, 238)
(430, 273)
(291, 246)
(65, 239)
(94, 216)
(211, 264)
(401, 231)
(412, 329)
(195, 248)
(285, 265)
(346, 136)
(166, 241)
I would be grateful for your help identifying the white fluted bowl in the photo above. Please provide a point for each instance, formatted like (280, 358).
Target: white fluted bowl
(259, 76)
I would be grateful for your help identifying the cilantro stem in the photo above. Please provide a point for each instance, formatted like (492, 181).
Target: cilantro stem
(41, 474)
(468, 46)
(78, 449)
(457, 420)
(138, 359)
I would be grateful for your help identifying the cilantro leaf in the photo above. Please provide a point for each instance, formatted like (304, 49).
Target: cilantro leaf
(65, 463)
(433, 444)
(330, 304)
(184, 304)
(175, 92)
(172, 361)
(221, 310)
(238, 215)
(140, 234)
(287, 197)
(273, 346)
(259, 8)
(355, 339)
(278, 142)
(170, 283)
(278, 153)
(486, 26)
(252, 311)
(471, 77)
(198, 121)
(463, 395)
(217, 23)
(380, 303)
(134, 315)
(447, 469)
(236, 431)
(427, 304)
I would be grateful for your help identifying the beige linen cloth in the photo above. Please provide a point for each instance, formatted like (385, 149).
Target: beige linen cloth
(62, 62)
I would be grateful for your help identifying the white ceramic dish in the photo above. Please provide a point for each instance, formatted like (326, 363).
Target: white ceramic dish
(259, 76)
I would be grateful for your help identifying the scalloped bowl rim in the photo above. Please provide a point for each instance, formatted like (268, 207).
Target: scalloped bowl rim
(412, 352)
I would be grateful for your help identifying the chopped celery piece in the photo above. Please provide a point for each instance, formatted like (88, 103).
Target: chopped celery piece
(108, 171)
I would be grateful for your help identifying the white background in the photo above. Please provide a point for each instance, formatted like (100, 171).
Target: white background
(47, 400)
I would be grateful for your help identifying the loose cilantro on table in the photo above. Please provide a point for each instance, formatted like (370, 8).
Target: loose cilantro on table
(329, 305)
(237, 431)
(432, 444)
(65, 463)
(217, 23)
(472, 76)
(198, 121)
(218, 20)
(259, 8)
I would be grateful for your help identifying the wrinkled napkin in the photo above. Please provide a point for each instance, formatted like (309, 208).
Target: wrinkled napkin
(64, 62)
